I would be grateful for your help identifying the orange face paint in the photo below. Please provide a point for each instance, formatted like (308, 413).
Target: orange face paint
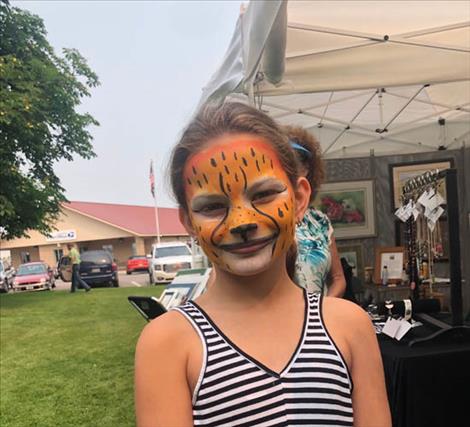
(241, 203)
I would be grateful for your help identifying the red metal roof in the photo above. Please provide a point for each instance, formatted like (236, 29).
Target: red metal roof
(136, 219)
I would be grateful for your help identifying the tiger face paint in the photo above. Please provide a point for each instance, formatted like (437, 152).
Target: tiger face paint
(240, 203)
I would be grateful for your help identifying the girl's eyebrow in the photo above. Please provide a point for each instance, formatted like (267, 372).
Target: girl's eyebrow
(266, 182)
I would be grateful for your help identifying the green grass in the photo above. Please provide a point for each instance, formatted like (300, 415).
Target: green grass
(68, 359)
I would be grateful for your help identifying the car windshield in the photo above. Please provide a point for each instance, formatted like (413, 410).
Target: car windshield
(96, 257)
(138, 257)
(171, 251)
(24, 270)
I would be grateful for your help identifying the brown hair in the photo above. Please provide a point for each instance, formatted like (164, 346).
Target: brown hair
(313, 164)
(213, 121)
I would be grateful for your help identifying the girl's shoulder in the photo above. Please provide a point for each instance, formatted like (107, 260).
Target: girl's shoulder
(347, 318)
(168, 332)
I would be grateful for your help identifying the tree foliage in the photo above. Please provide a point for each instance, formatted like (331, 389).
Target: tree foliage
(39, 122)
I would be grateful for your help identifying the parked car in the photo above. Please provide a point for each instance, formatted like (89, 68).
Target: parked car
(137, 263)
(34, 276)
(7, 273)
(167, 259)
(96, 268)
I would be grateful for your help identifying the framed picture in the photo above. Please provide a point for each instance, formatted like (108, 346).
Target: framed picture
(393, 258)
(350, 207)
(167, 297)
(184, 290)
(402, 172)
(353, 255)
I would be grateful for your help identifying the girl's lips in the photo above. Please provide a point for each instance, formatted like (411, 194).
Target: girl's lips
(248, 247)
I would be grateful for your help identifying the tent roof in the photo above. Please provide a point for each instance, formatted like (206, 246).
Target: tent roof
(361, 75)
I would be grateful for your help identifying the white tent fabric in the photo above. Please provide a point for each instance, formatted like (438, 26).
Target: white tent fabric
(388, 76)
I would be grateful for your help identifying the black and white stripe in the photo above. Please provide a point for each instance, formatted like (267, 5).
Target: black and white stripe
(236, 390)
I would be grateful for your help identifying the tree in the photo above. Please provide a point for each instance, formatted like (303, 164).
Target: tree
(39, 122)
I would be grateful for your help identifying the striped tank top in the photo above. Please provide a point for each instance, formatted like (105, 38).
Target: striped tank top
(234, 389)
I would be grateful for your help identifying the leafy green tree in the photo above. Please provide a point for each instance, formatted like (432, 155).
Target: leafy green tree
(39, 122)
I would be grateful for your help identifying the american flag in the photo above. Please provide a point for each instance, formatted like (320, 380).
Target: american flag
(152, 179)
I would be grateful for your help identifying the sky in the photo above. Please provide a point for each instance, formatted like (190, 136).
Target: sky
(153, 58)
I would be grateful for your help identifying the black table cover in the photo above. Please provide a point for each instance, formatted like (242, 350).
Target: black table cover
(427, 385)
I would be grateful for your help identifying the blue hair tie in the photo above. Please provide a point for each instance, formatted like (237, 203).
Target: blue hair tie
(298, 147)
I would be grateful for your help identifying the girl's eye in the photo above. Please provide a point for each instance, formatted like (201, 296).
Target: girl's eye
(264, 196)
(212, 209)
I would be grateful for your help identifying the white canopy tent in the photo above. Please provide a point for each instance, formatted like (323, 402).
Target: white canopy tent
(388, 76)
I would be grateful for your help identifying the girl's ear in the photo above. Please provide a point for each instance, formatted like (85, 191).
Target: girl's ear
(186, 221)
(302, 198)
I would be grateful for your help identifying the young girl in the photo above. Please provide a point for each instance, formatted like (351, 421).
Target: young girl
(254, 349)
(318, 267)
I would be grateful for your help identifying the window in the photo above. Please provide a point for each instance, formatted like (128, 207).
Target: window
(58, 253)
(25, 270)
(171, 251)
(25, 257)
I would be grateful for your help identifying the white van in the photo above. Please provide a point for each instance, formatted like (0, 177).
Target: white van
(167, 259)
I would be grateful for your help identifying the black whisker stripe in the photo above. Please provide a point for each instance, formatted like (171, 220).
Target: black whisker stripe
(235, 389)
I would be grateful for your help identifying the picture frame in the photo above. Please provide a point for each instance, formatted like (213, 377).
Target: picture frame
(185, 291)
(350, 206)
(402, 172)
(394, 258)
(168, 297)
(354, 257)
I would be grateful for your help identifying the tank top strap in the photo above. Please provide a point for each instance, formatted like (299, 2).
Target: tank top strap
(198, 321)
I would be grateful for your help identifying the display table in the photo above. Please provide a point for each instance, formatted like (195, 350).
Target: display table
(427, 385)
(381, 293)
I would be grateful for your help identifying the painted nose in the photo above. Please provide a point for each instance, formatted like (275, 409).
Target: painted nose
(243, 230)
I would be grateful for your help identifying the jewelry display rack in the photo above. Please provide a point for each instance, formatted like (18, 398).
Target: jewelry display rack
(412, 190)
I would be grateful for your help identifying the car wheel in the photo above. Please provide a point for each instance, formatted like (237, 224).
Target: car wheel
(115, 283)
(128, 272)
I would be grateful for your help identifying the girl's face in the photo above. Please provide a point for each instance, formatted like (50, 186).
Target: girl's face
(240, 203)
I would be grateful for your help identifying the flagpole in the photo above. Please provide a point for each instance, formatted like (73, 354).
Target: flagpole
(156, 218)
(154, 193)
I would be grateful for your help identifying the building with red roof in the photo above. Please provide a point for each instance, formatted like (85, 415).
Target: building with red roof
(124, 230)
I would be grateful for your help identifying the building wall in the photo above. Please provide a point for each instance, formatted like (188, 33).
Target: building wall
(378, 169)
(90, 234)
(86, 229)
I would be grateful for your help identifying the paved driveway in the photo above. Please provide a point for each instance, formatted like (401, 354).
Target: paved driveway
(125, 280)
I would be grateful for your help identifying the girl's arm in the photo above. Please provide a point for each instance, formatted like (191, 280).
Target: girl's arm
(162, 395)
(370, 402)
(353, 333)
(336, 280)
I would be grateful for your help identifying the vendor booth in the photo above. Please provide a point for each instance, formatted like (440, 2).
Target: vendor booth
(385, 88)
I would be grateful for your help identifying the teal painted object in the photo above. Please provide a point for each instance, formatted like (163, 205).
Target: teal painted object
(313, 237)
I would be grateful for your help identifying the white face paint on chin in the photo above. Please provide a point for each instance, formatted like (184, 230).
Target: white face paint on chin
(251, 263)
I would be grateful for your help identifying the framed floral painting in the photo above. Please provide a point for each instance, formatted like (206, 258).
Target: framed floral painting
(350, 207)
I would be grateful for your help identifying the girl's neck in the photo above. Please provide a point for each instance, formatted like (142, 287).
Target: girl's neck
(231, 291)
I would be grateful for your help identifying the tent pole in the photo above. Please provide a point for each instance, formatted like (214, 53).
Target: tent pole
(385, 128)
(350, 123)
(423, 101)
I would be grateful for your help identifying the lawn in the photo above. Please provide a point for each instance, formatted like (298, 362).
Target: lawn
(67, 359)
